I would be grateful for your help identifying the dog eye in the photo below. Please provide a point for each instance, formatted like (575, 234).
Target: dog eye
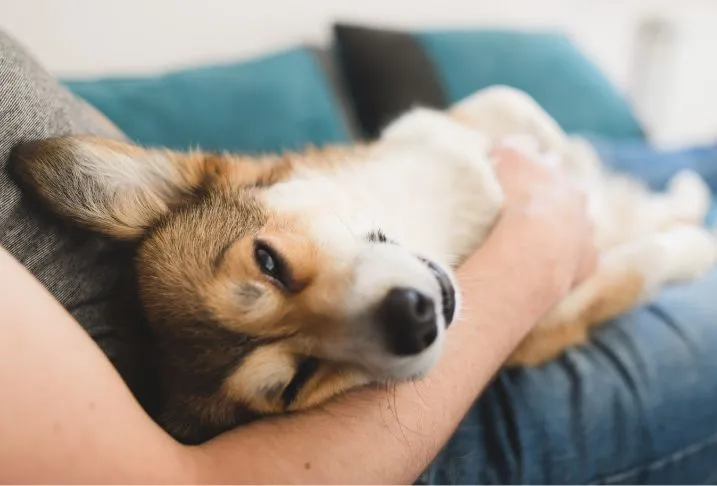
(306, 368)
(272, 265)
(266, 261)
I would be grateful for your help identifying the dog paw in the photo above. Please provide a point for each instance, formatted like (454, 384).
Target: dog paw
(692, 251)
(691, 196)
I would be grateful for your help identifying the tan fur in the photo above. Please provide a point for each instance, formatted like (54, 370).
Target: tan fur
(127, 210)
(610, 292)
(266, 369)
(229, 170)
(262, 377)
(329, 381)
(316, 293)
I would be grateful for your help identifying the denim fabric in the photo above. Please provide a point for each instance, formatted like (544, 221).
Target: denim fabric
(637, 405)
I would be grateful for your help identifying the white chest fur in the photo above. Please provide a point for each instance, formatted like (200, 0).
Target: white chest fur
(427, 184)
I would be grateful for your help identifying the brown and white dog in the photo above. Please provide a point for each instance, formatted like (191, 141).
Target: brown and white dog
(275, 283)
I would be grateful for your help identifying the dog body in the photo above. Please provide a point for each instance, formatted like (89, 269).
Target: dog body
(274, 283)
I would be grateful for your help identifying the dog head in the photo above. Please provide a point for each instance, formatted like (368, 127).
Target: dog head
(260, 300)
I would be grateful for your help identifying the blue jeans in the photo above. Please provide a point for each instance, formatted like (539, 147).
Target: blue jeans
(638, 404)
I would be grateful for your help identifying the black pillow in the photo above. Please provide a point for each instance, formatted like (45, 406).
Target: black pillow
(386, 72)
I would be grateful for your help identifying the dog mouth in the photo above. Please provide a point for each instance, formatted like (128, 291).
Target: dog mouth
(448, 291)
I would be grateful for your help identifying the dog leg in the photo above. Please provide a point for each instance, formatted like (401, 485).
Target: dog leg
(627, 275)
(630, 211)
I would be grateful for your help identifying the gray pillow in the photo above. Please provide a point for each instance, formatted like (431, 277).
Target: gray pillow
(87, 274)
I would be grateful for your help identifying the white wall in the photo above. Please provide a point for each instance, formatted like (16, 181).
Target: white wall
(90, 37)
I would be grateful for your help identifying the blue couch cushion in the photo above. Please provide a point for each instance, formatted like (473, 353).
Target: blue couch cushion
(278, 102)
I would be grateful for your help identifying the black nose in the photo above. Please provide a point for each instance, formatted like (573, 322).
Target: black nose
(409, 320)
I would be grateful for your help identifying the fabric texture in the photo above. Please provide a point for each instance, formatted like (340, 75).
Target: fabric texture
(82, 271)
(282, 101)
(389, 71)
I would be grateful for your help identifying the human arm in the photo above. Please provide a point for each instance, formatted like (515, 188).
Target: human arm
(69, 418)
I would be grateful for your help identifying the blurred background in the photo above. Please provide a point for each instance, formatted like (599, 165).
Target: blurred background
(659, 53)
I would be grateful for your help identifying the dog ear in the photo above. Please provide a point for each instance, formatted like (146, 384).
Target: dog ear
(121, 189)
(106, 185)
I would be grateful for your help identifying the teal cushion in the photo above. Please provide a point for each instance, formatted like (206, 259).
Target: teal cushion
(278, 102)
(548, 66)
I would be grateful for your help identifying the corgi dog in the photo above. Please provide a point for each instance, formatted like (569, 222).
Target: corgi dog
(274, 283)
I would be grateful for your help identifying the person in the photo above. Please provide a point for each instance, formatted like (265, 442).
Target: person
(635, 405)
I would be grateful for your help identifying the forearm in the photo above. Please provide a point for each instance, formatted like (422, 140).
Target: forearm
(377, 436)
(69, 418)
(66, 414)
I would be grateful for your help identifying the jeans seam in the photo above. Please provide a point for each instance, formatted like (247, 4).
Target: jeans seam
(672, 459)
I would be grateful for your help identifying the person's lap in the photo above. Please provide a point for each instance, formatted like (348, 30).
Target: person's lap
(638, 404)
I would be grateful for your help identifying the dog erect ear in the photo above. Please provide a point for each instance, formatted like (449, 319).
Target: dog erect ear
(120, 189)
(106, 185)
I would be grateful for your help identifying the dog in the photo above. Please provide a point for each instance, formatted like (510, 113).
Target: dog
(274, 283)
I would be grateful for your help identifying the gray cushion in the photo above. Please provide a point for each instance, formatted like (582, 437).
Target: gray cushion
(86, 273)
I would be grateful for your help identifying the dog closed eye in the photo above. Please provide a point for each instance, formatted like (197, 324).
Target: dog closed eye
(305, 370)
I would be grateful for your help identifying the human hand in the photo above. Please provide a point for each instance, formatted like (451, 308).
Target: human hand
(552, 213)
(544, 234)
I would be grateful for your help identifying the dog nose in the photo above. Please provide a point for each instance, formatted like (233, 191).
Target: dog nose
(409, 319)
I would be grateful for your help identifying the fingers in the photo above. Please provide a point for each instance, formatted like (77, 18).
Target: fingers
(533, 185)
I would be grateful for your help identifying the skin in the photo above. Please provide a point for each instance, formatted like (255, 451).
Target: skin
(68, 417)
